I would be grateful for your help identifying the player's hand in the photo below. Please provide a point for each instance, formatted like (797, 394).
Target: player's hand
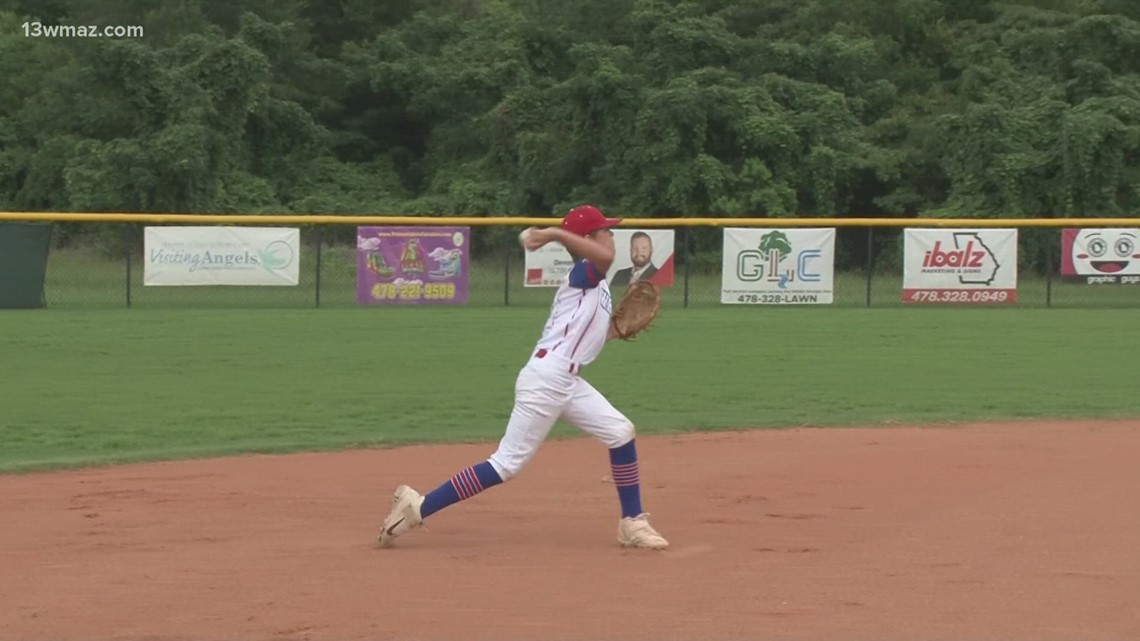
(535, 237)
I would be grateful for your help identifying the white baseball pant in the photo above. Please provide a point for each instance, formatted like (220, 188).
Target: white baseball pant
(545, 391)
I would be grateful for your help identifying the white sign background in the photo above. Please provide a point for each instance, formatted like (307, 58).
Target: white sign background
(960, 259)
(754, 276)
(548, 266)
(180, 256)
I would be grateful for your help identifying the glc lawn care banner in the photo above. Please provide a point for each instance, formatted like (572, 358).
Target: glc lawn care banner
(973, 266)
(778, 266)
(183, 256)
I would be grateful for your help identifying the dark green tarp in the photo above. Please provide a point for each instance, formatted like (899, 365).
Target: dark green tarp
(23, 264)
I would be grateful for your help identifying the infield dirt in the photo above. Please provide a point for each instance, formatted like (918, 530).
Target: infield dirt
(988, 531)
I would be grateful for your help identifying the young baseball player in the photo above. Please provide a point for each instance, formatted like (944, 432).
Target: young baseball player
(550, 387)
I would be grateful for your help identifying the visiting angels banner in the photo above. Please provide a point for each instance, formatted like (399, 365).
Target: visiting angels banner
(199, 255)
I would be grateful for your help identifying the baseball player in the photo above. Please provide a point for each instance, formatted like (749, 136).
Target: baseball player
(550, 387)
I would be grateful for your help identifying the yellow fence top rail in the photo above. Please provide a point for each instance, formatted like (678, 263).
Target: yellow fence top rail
(321, 219)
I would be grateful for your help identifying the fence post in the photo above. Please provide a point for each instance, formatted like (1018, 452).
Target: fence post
(1049, 269)
(507, 280)
(688, 259)
(317, 286)
(870, 261)
(127, 251)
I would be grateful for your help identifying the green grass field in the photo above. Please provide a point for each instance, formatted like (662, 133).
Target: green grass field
(99, 386)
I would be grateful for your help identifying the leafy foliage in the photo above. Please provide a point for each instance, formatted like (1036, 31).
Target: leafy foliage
(646, 107)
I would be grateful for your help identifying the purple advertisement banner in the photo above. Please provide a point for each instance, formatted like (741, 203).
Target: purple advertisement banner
(412, 265)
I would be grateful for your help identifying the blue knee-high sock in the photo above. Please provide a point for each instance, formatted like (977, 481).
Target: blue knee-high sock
(627, 478)
(465, 484)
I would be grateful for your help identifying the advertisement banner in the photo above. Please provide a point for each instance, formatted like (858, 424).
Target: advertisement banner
(1100, 256)
(641, 254)
(973, 266)
(778, 266)
(412, 265)
(546, 266)
(188, 256)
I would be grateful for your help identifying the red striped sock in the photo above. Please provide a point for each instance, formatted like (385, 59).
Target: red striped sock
(626, 475)
(466, 483)
(627, 478)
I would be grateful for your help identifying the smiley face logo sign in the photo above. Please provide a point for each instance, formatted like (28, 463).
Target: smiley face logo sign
(1101, 255)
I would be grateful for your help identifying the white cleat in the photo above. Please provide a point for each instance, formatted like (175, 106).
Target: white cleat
(405, 515)
(636, 532)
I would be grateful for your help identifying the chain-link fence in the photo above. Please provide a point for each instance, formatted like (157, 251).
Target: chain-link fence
(101, 266)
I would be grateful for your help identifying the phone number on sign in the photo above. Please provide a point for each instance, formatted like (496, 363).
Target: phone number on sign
(435, 291)
(959, 296)
(780, 299)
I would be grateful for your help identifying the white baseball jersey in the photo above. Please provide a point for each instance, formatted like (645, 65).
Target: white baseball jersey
(547, 391)
(579, 316)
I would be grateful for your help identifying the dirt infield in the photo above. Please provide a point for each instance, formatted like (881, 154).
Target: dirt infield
(1025, 531)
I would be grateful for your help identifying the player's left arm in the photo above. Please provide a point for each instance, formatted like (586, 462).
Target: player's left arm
(600, 256)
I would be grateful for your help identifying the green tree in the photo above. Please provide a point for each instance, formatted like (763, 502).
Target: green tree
(486, 107)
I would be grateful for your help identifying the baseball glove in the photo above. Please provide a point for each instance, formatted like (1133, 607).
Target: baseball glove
(636, 310)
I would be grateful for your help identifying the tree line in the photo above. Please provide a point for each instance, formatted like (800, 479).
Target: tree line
(899, 108)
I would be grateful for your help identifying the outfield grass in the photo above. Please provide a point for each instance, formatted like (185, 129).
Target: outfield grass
(82, 386)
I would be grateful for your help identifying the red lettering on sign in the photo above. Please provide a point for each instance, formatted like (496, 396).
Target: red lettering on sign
(967, 257)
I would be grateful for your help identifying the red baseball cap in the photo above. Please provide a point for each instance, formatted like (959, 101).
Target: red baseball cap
(586, 219)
